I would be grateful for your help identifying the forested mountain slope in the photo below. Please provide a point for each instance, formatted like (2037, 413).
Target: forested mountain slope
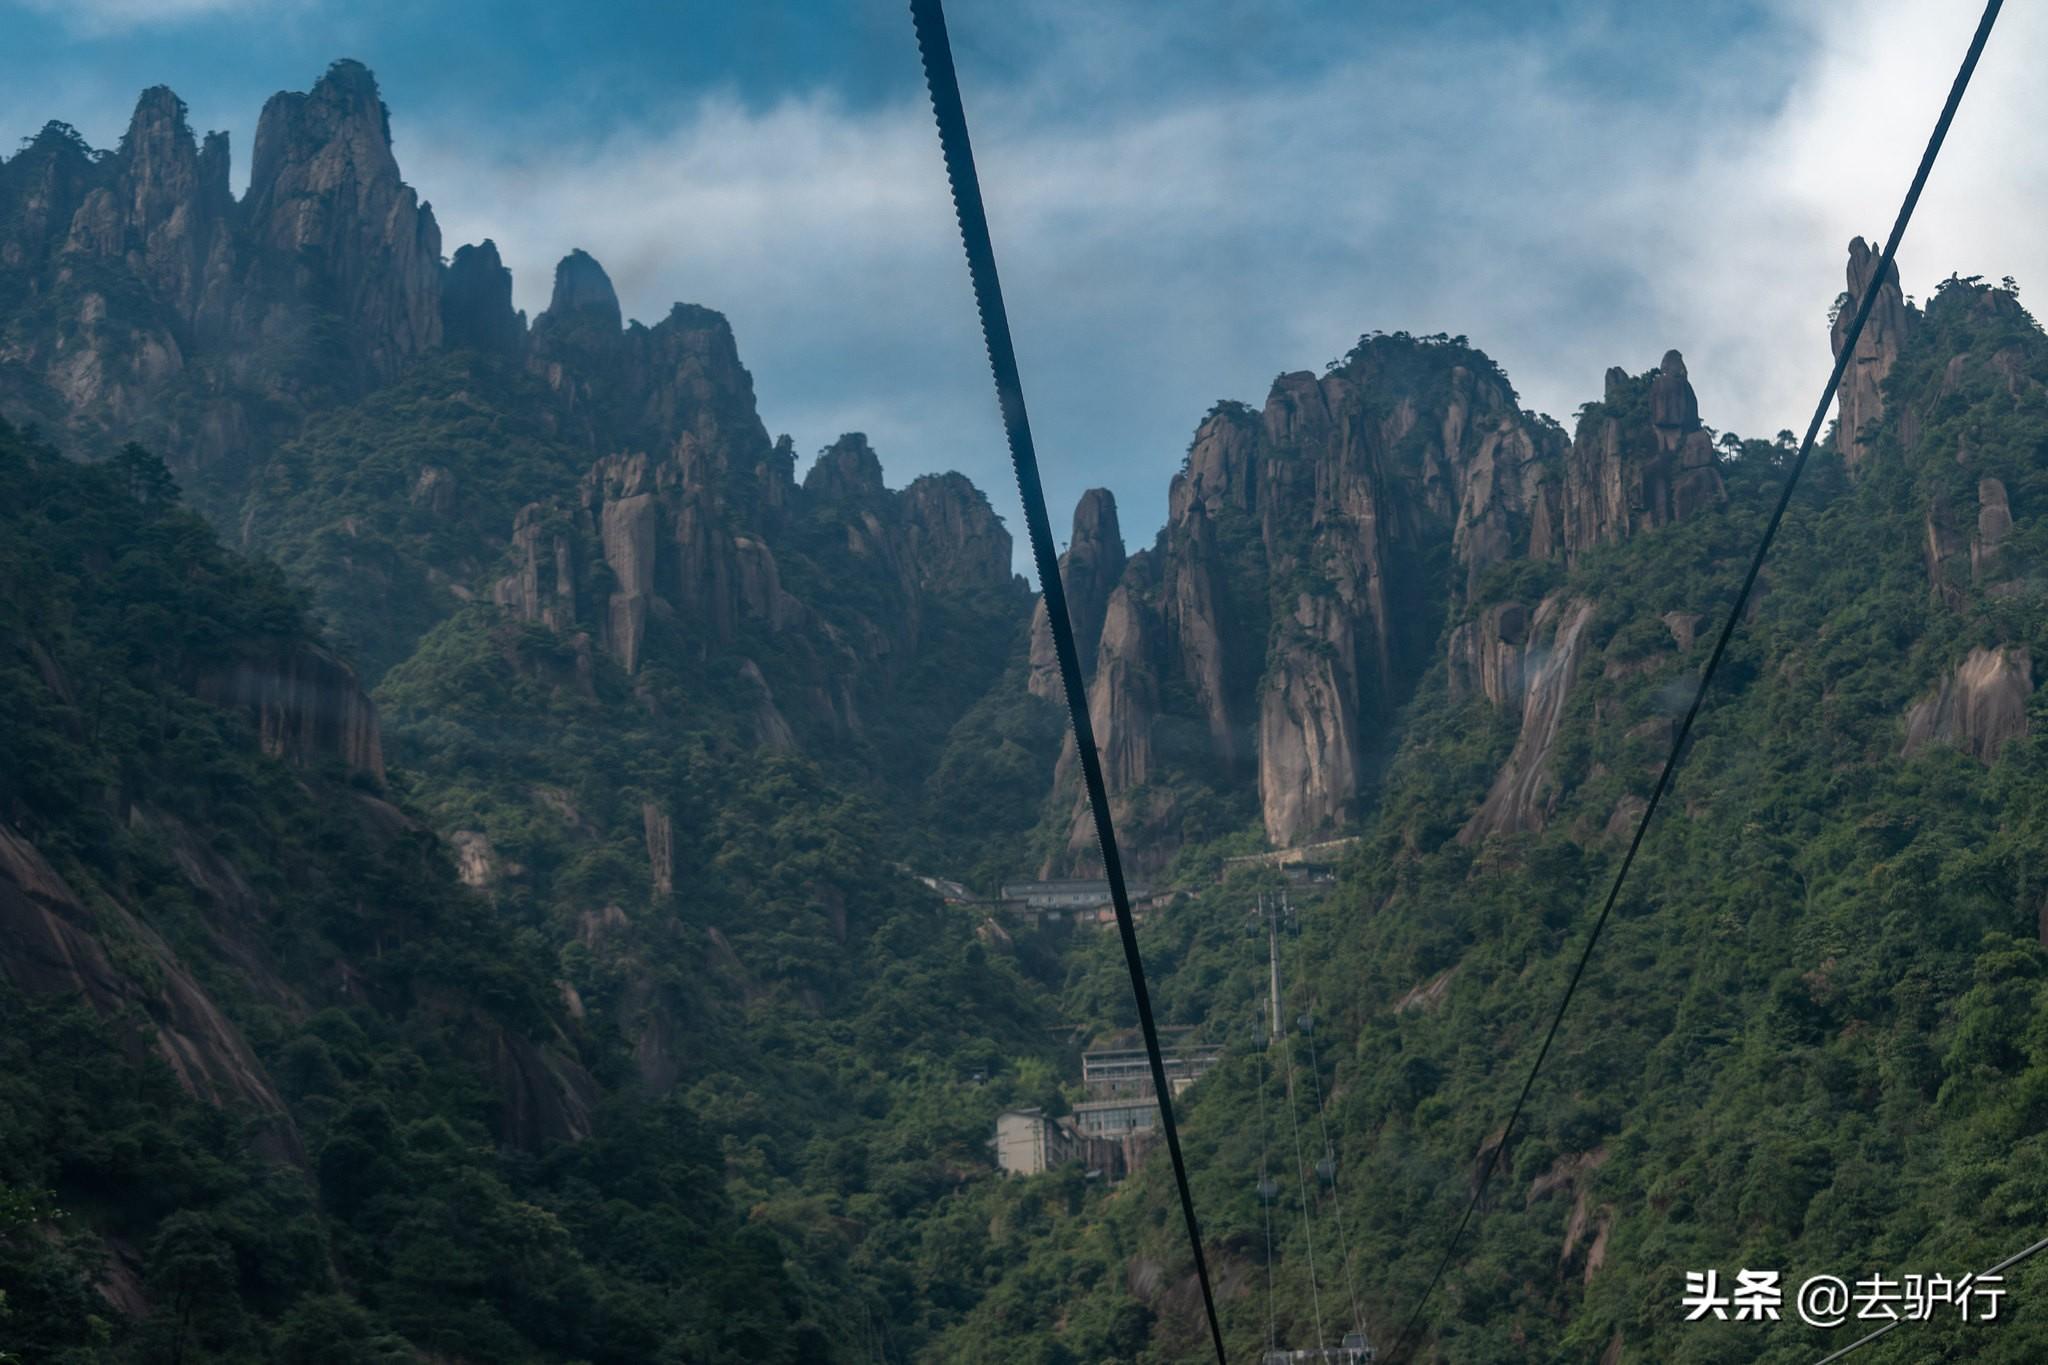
(457, 892)
(569, 998)
(279, 1086)
(1813, 1038)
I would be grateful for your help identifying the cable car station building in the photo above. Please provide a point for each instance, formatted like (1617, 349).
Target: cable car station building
(1114, 1128)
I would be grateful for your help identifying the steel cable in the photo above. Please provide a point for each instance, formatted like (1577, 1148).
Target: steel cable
(1301, 1178)
(934, 47)
(1336, 1197)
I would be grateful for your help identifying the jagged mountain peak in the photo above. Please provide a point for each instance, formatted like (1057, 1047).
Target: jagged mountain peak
(952, 537)
(55, 137)
(325, 282)
(1091, 567)
(343, 109)
(1877, 349)
(158, 111)
(1220, 465)
(583, 290)
(324, 191)
(847, 470)
(163, 168)
(1095, 519)
(476, 303)
(1673, 405)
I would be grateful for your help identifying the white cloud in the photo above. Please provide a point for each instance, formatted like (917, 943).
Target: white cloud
(1759, 255)
(94, 18)
(1165, 252)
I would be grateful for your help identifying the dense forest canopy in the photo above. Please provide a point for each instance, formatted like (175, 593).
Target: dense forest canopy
(494, 866)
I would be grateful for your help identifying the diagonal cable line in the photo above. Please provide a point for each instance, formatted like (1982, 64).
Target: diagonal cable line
(1827, 398)
(929, 19)
(2022, 1254)
(1301, 1177)
(1272, 1318)
(1336, 1196)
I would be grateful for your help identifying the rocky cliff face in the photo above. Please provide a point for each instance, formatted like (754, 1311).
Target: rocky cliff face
(1525, 793)
(1488, 652)
(159, 307)
(1979, 704)
(1299, 587)
(307, 708)
(1090, 568)
(332, 227)
(1861, 400)
(50, 944)
(156, 306)
(166, 213)
(476, 304)
(1640, 460)
(691, 541)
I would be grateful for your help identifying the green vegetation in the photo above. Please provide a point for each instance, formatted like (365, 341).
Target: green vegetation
(348, 507)
(406, 1189)
(1813, 1039)
(600, 1031)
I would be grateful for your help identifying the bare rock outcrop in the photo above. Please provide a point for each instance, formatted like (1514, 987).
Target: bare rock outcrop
(1979, 704)
(1090, 569)
(635, 387)
(542, 586)
(1685, 627)
(50, 944)
(324, 186)
(847, 473)
(476, 303)
(324, 281)
(544, 1094)
(1222, 466)
(44, 184)
(1363, 473)
(1959, 555)
(1204, 637)
(1944, 550)
(622, 492)
(1877, 350)
(1487, 652)
(952, 539)
(576, 344)
(684, 545)
(1994, 524)
(1124, 701)
(166, 212)
(1510, 496)
(307, 706)
(1525, 793)
(661, 847)
(1300, 577)
(476, 860)
(1123, 708)
(771, 731)
(1308, 713)
(1639, 460)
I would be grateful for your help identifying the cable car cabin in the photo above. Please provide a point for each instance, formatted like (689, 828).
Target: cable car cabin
(1353, 1351)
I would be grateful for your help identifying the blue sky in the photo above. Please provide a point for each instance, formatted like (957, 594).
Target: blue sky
(1188, 198)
